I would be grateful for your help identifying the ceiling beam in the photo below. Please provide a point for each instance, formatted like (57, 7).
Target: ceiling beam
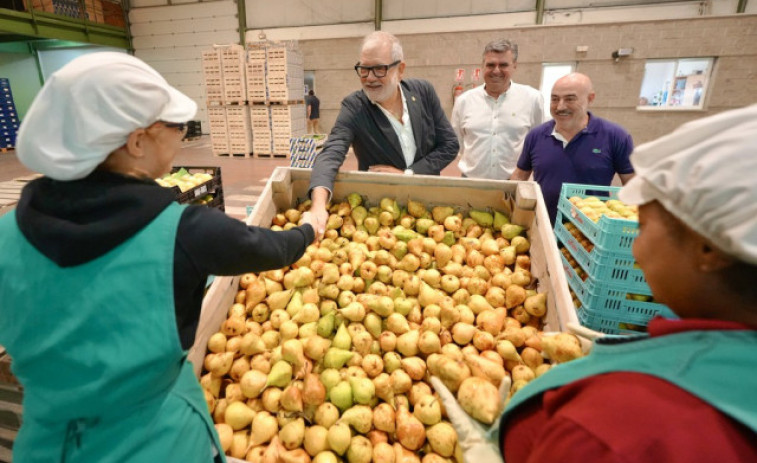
(51, 26)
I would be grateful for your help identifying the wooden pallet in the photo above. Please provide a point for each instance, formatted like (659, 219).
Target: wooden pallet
(233, 155)
(271, 155)
(274, 101)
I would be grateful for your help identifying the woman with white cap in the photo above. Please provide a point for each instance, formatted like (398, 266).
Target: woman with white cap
(686, 391)
(102, 274)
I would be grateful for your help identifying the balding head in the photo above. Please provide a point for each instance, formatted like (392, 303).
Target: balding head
(570, 100)
(577, 81)
(380, 39)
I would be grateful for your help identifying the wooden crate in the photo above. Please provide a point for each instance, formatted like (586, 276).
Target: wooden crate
(261, 143)
(233, 68)
(113, 13)
(212, 76)
(523, 199)
(256, 81)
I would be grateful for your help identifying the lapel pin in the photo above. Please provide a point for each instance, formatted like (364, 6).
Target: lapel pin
(413, 98)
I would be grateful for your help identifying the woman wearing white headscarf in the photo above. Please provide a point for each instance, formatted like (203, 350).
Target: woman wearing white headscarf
(102, 274)
(686, 392)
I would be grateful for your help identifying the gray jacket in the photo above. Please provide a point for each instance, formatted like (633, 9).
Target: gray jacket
(363, 125)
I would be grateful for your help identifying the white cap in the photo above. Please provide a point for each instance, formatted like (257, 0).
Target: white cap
(88, 108)
(705, 174)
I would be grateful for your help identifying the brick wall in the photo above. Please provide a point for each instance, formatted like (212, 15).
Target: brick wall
(731, 39)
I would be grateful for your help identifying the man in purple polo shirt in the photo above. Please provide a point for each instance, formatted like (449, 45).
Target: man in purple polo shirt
(575, 147)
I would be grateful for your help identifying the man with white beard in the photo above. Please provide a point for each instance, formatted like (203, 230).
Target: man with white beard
(393, 125)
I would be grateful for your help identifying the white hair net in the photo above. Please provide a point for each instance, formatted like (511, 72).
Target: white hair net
(88, 108)
(705, 173)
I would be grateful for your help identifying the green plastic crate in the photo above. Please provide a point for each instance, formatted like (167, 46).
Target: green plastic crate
(604, 266)
(609, 302)
(613, 235)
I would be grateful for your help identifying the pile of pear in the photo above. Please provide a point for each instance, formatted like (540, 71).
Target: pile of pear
(594, 208)
(329, 359)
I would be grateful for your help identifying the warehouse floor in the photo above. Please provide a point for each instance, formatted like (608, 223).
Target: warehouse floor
(242, 178)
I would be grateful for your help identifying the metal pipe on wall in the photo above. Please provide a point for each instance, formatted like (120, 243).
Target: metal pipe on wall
(242, 13)
(378, 14)
(741, 7)
(539, 12)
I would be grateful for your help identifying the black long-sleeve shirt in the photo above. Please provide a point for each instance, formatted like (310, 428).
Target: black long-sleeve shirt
(75, 222)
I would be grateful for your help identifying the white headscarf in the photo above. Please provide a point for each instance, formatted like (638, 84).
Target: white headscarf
(705, 174)
(88, 108)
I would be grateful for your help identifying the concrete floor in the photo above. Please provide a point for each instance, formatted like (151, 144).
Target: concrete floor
(242, 178)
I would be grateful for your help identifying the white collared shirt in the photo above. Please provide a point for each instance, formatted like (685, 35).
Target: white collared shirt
(491, 130)
(558, 136)
(404, 130)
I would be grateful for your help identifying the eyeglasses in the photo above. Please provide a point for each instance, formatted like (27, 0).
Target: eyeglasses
(182, 126)
(379, 70)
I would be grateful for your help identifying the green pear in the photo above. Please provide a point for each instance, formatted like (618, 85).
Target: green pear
(441, 212)
(382, 305)
(373, 324)
(371, 224)
(403, 305)
(359, 215)
(499, 220)
(336, 358)
(330, 377)
(449, 238)
(341, 395)
(390, 205)
(386, 219)
(415, 208)
(279, 299)
(355, 200)
(293, 352)
(482, 218)
(510, 231)
(403, 233)
(342, 339)
(334, 222)
(422, 225)
(360, 417)
(295, 304)
(399, 249)
(363, 390)
(326, 324)
(280, 375)
(339, 437)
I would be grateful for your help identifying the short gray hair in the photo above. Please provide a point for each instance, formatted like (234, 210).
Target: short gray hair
(381, 36)
(502, 46)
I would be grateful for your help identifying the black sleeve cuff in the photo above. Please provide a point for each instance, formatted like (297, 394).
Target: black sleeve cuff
(309, 233)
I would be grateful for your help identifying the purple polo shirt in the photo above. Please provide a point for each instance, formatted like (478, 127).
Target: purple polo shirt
(592, 157)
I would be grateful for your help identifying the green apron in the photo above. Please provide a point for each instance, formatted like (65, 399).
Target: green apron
(96, 348)
(719, 367)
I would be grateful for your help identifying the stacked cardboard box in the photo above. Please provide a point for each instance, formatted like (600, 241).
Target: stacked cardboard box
(219, 139)
(285, 75)
(213, 76)
(8, 116)
(257, 92)
(233, 74)
(226, 92)
(260, 116)
(275, 78)
(287, 122)
(270, 78)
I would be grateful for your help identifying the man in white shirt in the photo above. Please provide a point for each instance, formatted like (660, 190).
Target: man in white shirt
(492, 120)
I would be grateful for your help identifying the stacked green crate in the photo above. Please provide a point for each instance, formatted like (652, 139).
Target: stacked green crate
(615, 298)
